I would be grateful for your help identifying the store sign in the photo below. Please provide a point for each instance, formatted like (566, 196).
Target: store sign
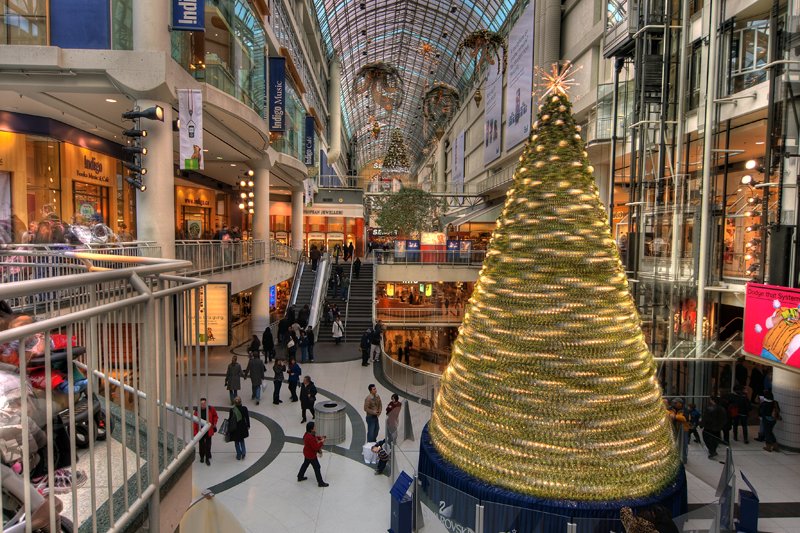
(277, 93)
(87, 166)
(190, 113)
(188, 15)
(196, 201)
(209, 318)
(308, 154)
(86, 210)
(273, 296)
(353, 211)
(772, 323)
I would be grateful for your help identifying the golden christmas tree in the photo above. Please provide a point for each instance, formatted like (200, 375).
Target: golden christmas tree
(551, 390)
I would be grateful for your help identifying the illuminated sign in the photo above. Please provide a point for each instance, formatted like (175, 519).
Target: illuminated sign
(772, 323)
(209, 318)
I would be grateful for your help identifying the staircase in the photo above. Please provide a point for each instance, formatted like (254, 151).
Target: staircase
(359, 314)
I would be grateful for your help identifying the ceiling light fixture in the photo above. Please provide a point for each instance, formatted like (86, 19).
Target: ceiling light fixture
(111, 101)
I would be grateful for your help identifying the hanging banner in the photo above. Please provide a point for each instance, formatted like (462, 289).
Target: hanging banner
(458, 164)
(277, 93)
(308, 192)
(772, 323)
(188, 15)
(520, 79)
(190, 113)
(308, 154)
(493, 115)
(209, 319)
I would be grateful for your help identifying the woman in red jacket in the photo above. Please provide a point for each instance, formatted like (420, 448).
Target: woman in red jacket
(210, 414)
(312, 445)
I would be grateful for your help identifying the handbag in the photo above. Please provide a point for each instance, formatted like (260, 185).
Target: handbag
(223, 429)
(290, 344)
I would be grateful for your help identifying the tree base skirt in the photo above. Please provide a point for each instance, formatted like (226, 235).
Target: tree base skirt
(452, 494)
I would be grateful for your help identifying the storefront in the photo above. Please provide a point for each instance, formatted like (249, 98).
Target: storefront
(330, 225)
(279, 300)
(200, 212)
(44, 180)
(280, 222)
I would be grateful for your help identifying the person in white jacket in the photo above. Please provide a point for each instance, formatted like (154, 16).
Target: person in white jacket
(337, 330)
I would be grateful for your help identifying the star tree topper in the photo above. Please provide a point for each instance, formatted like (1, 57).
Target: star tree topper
(558, 81)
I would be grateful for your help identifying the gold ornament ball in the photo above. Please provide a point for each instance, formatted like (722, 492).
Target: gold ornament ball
(562, 108)
(554, 158)
(540, 148)
(577, 128)
(545, 118)
(539, 164)
(577, 137)
(534, 137)
(554, 99)
(585, 153)
(590, 169)
(563, 143)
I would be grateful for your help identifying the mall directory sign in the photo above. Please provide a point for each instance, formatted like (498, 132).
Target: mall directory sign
(772, 323)
(209, 316)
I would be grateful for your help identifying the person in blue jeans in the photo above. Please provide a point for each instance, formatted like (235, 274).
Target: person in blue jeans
(373, 407)
(310, 343)
(239, 427)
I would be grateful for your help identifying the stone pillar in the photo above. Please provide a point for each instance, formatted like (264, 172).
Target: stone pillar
(786, 388)
(155, 207)
(260, 303)
(297, 219)
(151, 25)
(441, 163)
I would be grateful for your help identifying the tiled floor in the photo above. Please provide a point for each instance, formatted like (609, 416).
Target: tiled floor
(358, 501)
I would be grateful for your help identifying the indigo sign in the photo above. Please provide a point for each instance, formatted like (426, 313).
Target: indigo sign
(308, 147)
(277, 94)
(188, 15)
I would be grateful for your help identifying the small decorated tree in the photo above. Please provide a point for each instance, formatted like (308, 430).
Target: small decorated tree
(409, 212)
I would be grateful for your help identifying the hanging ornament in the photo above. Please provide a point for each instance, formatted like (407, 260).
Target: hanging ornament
(478, 97)
(382, 82)
(376, 129)
(439, 105)
(484, 47)
(426, 50)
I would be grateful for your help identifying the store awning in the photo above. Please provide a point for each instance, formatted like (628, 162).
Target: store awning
(485, 215)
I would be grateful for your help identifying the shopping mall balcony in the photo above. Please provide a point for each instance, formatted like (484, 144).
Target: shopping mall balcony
(103, 357)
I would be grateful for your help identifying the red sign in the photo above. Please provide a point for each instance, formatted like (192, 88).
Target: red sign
(772, 323)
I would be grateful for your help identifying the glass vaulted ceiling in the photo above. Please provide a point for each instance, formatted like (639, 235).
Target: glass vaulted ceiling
(394, 31)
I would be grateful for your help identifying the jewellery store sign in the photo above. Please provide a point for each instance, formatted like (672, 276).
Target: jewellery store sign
(209, 316)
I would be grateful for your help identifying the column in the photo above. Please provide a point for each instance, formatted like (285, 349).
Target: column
(155, 207)
(441, 176)
(786, 389)
(297, 219)
(151, 25)
(260, 303)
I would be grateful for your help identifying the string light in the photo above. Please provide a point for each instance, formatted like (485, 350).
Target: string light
(551, 390)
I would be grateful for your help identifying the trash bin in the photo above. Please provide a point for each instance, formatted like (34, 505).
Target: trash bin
(331, 421)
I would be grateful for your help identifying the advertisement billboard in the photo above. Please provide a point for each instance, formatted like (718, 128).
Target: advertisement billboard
(190, 113)
(493, 115)
(209, 318)
(277, 94)
(772, 323)
(520, 79)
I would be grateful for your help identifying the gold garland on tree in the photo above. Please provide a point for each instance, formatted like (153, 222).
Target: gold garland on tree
(551, 390)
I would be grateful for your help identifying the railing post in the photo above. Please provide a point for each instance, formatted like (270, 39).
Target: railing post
(478, 518)
(150, 378)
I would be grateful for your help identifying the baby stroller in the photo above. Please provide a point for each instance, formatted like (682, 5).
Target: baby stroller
(86, 418)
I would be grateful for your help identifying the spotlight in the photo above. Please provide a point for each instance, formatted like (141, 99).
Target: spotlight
(751, 164)
(134, 133)
(747, 179)
(151, 113)
(753, 243)
(250, 183)
(134, 150)
(136, 183)
(242, 183)
(748, 256)
(250, 173)
(241, 206)
(753, 227)
(134, 168)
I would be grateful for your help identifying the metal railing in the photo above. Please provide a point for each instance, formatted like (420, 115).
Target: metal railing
(426, 315)
(99, 388)
(283, 252)
(472, 258)
(209, 257)
(412, 381)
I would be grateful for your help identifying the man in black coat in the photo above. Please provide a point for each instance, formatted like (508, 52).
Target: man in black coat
(713, 420)
(365, 346)
(268, 344)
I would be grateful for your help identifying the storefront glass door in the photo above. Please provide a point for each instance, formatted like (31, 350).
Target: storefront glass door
(90, 201)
